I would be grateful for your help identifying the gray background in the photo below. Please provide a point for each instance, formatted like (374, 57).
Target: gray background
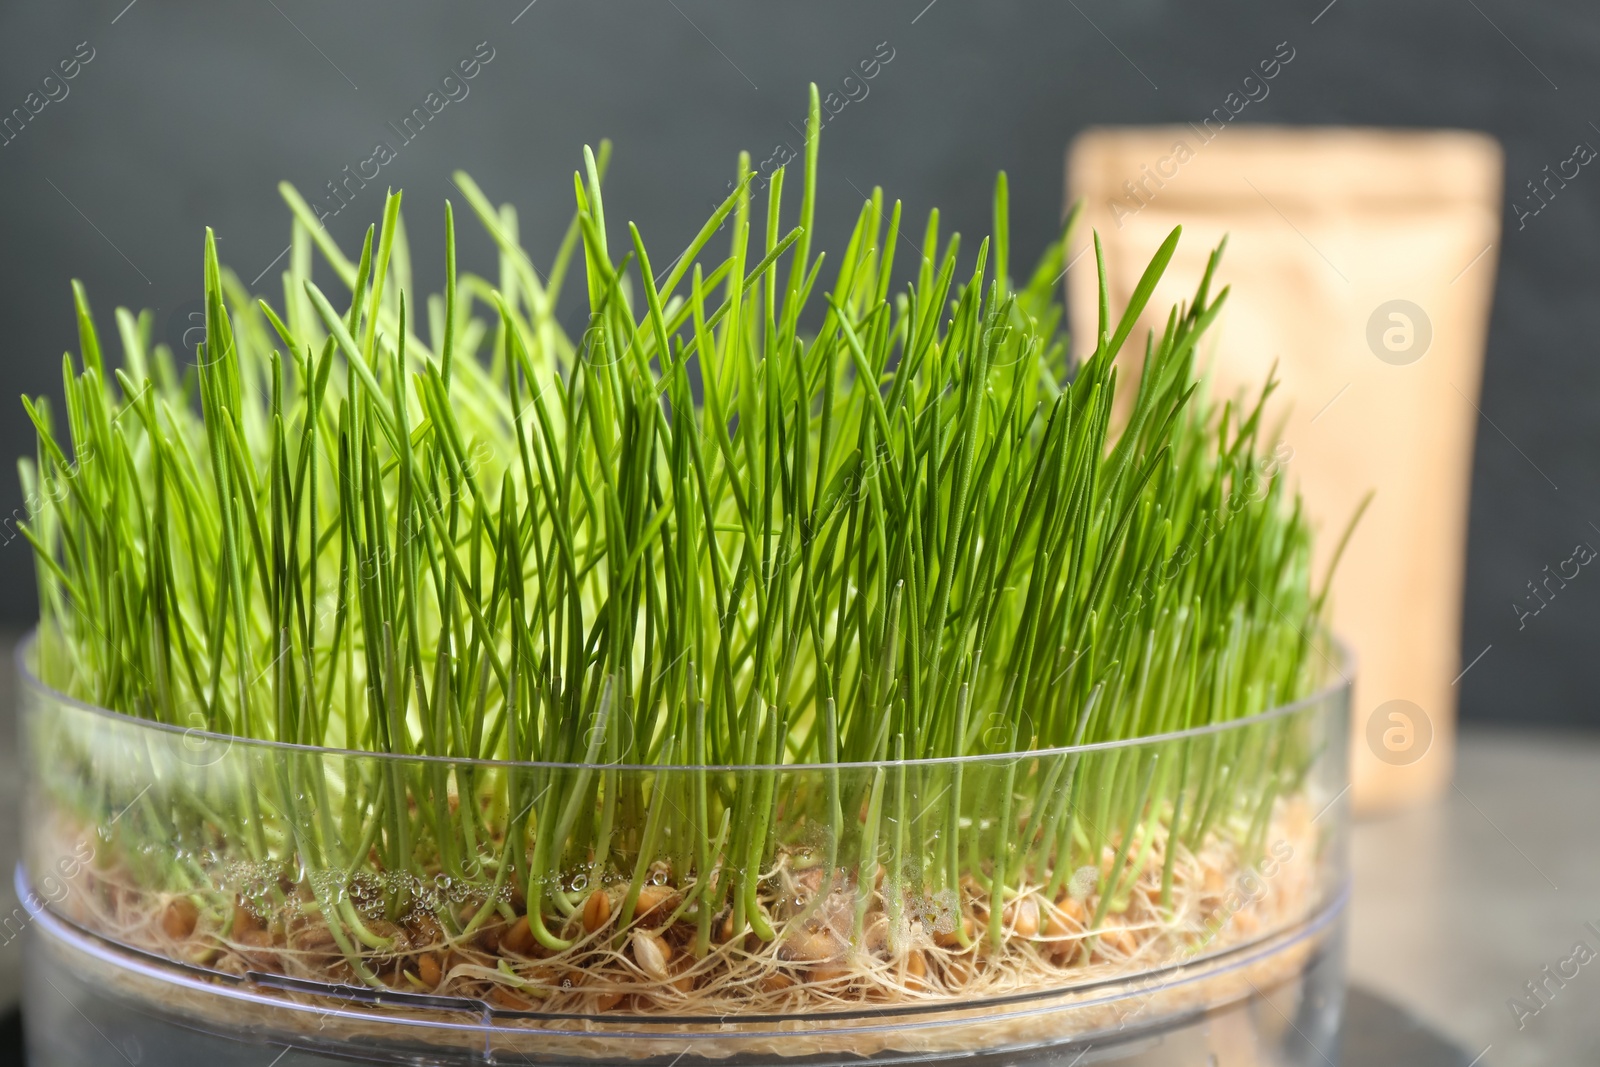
(191, 112)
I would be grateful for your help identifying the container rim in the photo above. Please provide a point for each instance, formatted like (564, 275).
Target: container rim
(1343, 665)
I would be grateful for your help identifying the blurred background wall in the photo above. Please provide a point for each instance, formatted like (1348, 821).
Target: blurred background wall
(180, 114)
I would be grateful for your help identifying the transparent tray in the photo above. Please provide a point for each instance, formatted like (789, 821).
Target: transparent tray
(196, 897)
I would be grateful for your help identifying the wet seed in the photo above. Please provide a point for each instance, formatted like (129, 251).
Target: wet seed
(596, 911)
(179, 920)
(776, 982)
(656, 902)
(518, 939)
(948, 938)
(505, 998)
(651, 954)
(916, 971)
(428, 970)
(1023, 917)
(811, 946)
(828, 972)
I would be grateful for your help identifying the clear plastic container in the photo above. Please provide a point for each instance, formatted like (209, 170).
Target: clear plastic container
(1175, 900)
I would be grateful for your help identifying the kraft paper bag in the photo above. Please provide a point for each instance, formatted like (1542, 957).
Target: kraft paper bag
(1362, 264)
